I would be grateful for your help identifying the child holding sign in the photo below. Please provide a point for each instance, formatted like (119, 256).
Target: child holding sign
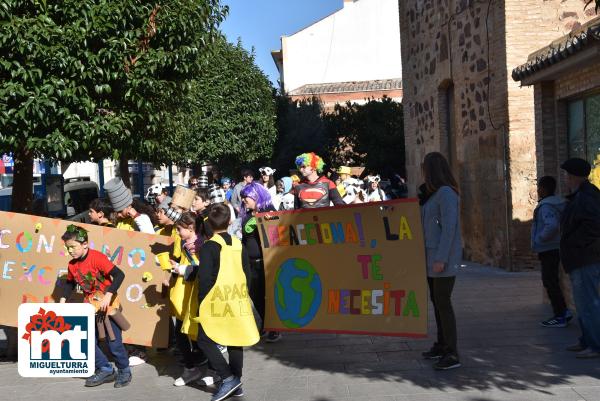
(225, 313)
(96, 274)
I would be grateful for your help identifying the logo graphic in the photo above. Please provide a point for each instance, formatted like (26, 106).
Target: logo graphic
(297, 293)
(56, 340)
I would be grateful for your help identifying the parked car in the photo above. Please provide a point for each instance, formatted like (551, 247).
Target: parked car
(78, 193)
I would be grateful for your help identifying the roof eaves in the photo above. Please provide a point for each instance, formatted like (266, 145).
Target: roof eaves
(559, 50)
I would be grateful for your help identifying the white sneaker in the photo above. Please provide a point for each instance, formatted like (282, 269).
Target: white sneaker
(135, 361)
(207, 381)
(188, 376)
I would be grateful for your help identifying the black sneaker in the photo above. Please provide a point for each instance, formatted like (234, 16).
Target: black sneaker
(273, 336)
(123, 378)
(100, 377)
(447, 362)
(434, 353)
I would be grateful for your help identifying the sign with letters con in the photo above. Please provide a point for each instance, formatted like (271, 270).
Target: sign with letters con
(33, 266)
(357, 269)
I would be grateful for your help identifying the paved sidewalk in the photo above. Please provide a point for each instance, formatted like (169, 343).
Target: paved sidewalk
(506, 356)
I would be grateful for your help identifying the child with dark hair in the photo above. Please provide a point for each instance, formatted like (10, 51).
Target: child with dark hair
(236, 200)
(545, 241)
(224, 264)
(200, 208)
(95, 273)
(101, 212)
(182, 296)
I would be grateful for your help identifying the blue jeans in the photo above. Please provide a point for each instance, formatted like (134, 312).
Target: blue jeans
(586, 294)
(117, 349)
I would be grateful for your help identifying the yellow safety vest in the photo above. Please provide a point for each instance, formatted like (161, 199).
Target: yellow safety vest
(127, 224)
(182, 292)
(164, 258)
(226, 313)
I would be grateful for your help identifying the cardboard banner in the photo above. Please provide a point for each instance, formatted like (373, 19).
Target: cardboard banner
(34, 263)
(357, 269)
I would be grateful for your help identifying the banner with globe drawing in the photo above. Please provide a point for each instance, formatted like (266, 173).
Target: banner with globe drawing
(357, 269)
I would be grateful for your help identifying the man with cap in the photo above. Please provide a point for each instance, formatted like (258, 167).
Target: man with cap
(226, 185)
(580, 253)
(344, 172)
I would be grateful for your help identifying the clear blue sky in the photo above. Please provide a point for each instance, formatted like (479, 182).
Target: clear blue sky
(261, 23)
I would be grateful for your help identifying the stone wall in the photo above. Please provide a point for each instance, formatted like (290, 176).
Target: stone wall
(457, 56)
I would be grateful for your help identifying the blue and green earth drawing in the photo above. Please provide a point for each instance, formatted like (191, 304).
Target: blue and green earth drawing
(297, 293)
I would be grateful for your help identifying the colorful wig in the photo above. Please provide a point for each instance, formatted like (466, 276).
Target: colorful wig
(310, 160)
(259, 194)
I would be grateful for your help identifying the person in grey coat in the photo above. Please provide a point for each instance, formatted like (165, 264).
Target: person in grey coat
(440, 215)
(545, 241)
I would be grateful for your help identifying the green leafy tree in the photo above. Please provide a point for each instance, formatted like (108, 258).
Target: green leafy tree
(369, 135)
(85, 79)
(300, 129)
(228, 117)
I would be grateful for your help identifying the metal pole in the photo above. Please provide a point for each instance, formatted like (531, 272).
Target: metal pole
(170, 180)
(140, 181)
(101, 178)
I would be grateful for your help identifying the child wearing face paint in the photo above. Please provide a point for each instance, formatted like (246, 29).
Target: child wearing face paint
(94, 272)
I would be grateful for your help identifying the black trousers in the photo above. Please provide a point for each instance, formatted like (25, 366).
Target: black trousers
(217, 360)
(257, 287)
(550, 278)
(440, 292)
(184, 345)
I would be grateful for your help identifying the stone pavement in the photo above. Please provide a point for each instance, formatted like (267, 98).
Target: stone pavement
(506, 356)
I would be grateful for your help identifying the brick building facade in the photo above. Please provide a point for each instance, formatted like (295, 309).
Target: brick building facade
(565, 76)
(460, 99)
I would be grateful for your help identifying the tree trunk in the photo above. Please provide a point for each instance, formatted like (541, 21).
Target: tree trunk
(22, 190)
(124, 171)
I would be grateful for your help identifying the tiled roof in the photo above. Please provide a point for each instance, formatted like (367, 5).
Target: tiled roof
(561, 49)
(345, 87)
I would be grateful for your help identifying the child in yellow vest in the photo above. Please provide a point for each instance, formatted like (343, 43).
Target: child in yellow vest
(225, 314)
(183, 296)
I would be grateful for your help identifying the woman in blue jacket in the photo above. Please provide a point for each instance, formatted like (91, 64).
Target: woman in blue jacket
(439, 199)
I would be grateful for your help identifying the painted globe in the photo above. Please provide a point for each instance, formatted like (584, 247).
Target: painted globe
(298, 293)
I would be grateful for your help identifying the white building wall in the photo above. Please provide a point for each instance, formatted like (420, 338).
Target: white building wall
(360, 42)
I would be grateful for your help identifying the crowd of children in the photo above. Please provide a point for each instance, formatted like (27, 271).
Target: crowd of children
(216, 243)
